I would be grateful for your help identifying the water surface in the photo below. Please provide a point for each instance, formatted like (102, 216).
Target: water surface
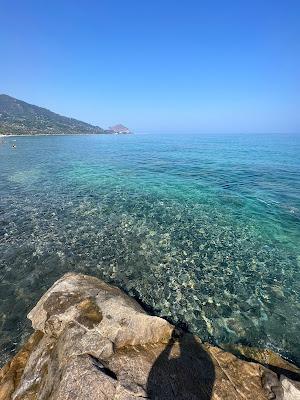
(204, 229)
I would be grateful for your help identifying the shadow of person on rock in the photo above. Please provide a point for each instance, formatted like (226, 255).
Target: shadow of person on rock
(183, 370)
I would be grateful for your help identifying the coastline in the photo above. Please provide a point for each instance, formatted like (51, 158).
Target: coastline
(92, 339)
(69, 134)
(58, 134)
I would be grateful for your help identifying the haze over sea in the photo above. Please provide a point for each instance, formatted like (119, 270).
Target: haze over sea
(203, 229)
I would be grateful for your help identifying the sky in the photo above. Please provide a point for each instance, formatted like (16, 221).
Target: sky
(157, 66)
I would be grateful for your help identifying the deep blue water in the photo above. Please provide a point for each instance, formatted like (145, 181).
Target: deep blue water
(204, 229)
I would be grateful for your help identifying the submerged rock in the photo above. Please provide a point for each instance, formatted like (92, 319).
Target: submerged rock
(92, 341)
(266, 357)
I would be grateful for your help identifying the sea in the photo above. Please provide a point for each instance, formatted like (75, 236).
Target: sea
(202, 229)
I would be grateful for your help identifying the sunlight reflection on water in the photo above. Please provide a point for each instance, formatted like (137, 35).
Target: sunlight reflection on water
(202, 229)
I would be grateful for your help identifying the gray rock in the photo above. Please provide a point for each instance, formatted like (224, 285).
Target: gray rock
(291, 389)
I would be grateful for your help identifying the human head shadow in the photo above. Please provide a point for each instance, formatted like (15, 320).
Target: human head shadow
(183, 370)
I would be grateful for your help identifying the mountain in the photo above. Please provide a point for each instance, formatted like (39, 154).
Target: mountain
(20, 118)
(119, 128)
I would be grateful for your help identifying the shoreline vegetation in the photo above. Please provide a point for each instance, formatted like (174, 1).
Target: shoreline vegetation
(19, 118)
(64, 134)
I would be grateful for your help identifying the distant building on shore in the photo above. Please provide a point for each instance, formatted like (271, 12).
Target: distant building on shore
(119, 128)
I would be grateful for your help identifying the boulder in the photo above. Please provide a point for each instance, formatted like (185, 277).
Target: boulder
(92, 341)
(291, 389)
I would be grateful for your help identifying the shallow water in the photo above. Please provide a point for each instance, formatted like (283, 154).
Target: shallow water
(204, 229)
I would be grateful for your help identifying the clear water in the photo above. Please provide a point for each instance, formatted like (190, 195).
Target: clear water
(204, 229)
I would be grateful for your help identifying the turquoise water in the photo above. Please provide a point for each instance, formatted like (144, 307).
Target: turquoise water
(203, 229)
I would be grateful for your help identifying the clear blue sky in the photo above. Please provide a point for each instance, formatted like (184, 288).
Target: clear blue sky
(205, 66)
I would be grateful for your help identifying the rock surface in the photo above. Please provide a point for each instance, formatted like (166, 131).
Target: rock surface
(119, 128)
(291, 389)
(92, 341)
(266, 357)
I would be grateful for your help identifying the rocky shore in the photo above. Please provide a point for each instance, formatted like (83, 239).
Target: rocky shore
(91, 341)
